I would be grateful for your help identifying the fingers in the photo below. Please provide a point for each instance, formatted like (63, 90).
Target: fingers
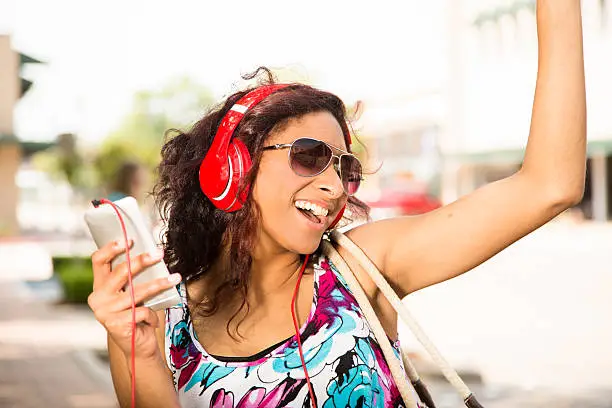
(104, 305)
(120, 324)
(146, 291)
(119, 277)
(102, 258)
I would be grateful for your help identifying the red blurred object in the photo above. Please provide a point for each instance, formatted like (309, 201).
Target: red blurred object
(405, 202)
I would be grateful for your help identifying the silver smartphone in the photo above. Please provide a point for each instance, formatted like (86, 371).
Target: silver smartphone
(105, 227)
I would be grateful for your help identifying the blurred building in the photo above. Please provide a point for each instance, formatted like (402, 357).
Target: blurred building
(12, 87)
(472, 127)
(403, 137)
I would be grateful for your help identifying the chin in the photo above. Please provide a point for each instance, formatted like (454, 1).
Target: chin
(305, 246)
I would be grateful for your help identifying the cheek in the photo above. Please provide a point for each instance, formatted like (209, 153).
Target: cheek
(269, 185)
(275, 186)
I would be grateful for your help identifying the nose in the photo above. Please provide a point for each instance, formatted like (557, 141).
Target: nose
(329, 181)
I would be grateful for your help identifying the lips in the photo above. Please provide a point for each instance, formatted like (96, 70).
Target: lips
(316, 212)
(311, 217)
(313, 222)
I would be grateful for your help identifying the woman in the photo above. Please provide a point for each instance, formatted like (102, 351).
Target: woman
(232, 342)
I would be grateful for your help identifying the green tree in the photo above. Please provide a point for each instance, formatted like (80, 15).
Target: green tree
(140, 135)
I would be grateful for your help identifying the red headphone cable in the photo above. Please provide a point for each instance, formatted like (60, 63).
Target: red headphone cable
(96, 203)
(313, 402)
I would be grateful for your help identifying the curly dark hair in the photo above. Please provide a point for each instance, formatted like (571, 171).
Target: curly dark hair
(197, 232)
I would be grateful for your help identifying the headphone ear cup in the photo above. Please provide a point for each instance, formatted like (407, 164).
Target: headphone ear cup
(226, 178)
(241, 163)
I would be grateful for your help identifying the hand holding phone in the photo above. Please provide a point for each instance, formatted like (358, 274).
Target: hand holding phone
(105, 227)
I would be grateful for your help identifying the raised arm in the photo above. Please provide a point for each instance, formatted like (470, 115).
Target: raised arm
(556, 150)
(420, 251)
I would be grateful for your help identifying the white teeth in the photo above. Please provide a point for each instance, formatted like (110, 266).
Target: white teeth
(312, 207)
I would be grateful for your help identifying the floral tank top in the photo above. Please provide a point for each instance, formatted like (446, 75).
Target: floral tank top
(344, 361)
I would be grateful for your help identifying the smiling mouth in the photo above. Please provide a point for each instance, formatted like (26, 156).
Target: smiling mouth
(311, 217)
(313, 212)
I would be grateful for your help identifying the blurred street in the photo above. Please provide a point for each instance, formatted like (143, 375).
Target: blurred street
(536, 317)
(47, 350)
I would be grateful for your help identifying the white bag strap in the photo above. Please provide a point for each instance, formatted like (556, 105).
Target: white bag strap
(448, 372)
(403, 386)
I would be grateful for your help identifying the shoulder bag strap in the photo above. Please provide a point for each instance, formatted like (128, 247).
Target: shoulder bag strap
(381, 337)
(449, 373)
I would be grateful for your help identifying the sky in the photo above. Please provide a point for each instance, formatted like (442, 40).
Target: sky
(98, 54)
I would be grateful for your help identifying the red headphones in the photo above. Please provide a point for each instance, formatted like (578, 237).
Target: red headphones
(228, 160)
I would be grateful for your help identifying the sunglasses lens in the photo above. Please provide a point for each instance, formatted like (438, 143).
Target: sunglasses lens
(351, 173)
(309, 156)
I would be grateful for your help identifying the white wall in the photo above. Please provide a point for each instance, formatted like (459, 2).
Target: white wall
(500, 73)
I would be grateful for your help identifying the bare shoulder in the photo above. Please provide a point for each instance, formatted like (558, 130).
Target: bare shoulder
(374, 238)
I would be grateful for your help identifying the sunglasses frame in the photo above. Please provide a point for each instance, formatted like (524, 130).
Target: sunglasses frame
(280, 146)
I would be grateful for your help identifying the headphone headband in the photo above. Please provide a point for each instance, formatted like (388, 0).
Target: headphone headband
(235, 114)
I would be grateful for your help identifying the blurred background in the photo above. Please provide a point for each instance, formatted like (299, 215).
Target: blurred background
(87, 90)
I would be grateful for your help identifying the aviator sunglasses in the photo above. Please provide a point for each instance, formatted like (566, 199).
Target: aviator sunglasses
(310, 157)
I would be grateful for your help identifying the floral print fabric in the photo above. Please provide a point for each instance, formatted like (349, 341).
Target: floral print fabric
(344, 361)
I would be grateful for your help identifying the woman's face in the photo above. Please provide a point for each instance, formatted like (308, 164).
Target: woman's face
(277, 188)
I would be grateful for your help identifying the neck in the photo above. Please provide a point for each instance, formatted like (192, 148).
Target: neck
(274, 269)
(273, 275)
